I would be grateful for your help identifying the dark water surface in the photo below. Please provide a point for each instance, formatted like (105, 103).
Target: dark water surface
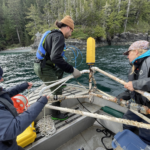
(18, 68)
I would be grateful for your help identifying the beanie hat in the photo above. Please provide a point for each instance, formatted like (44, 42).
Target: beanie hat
(138, 45)
(67, 20)
(1, 72)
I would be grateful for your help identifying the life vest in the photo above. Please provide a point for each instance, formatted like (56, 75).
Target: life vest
(41, 53)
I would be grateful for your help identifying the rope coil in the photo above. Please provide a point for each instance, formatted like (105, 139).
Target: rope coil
(46, 126)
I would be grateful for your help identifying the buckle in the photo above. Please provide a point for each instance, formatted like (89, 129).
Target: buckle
(37, 60)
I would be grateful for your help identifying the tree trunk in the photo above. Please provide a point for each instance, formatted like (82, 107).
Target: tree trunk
(119, 5)
(128, 9)
(2, 34)
(18, 35)
(12, 39)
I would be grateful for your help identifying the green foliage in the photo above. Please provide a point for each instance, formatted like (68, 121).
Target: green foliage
(142, 27)
(20, 20)
(13, 46)
(114, 22)
(2, 43)
(79, 33)
(99, 32)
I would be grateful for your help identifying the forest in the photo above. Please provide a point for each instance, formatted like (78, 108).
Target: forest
(20, 20)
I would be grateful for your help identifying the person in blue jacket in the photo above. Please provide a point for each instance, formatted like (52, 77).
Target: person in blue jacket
(12, 124)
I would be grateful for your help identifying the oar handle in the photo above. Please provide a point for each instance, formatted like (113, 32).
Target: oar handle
(145, 94)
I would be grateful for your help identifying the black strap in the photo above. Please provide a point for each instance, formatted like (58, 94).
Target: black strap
(3, 92)
(9, 106)
(42, 55)
(43, 62)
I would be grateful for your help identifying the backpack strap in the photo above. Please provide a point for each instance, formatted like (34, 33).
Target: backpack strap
(2, 92)
(43, 62)
(9, 106)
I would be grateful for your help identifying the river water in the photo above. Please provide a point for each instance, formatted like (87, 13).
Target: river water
(18, 68)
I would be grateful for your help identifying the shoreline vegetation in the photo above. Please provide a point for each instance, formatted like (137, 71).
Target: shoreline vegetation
(110, 22)
(122, 39)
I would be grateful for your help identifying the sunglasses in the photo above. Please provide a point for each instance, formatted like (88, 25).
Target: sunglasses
(70, 29)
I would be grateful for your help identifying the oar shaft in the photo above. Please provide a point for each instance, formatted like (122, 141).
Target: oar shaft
(109, 75)
(105, 97)
(145, 94)
(123, 121)
(140, 115)
(143, 109)
(57, 98)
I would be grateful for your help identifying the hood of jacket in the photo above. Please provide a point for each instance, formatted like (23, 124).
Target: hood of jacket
(146, 54)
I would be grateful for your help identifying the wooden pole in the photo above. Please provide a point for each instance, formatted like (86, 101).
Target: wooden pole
(105, 93)
(62, 97)
(145, 94)
(105, 97)
(123, 121)
(143, 109)
(141, 116)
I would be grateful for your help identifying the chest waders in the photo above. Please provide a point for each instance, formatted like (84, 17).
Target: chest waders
(49, 72)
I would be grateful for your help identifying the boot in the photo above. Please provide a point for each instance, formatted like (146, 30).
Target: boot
(57, 115)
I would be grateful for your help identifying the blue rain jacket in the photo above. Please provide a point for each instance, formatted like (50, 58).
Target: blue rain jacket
(10, 126)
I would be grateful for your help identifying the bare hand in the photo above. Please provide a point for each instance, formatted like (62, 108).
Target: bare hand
(30, 85)
(48, 97)
(129, 86)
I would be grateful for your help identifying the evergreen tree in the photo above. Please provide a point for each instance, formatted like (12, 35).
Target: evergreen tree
(34, 21)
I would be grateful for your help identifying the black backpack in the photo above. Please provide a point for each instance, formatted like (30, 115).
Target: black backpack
(12, 110)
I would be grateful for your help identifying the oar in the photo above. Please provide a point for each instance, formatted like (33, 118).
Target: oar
(94, 115)
(105, 93)
(143, 109)
(143, 93)
(141, 116)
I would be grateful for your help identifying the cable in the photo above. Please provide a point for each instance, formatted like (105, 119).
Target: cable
(71, 47)
(105, 131)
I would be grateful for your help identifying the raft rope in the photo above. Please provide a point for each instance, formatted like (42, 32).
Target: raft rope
(46, 126)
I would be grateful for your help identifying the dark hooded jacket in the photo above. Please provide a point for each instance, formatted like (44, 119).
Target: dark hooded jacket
(54, 46)
(10, 126)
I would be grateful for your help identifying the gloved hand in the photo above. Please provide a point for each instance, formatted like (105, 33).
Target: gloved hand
(76, 73)
(125, 95)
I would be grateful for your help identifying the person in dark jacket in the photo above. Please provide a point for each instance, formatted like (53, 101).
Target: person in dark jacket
(12, 124)
(53, 66)
(139, 79)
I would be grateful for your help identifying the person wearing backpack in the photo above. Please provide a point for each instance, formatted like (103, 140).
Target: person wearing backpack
(49, 64)
(12, 123)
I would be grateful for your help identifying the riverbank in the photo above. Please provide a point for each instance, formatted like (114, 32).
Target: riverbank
(18, 49)
(122, 39)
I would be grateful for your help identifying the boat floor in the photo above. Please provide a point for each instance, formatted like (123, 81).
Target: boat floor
(89, 139)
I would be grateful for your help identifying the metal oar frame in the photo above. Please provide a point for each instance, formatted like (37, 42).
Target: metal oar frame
(91, 93)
